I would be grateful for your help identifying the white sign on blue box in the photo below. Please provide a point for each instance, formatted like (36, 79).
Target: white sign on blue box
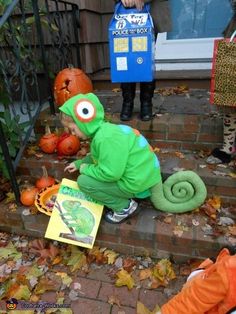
(131, 45)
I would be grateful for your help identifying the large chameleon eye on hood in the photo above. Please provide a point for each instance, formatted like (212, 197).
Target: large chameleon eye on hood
(86, 111)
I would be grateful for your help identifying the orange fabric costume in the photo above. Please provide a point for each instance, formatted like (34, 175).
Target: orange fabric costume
(212, 291)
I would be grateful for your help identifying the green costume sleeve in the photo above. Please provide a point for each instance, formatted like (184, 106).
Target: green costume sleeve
(86, 160)
(110, 165)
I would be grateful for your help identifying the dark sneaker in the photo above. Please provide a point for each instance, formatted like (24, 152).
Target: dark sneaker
(218, 157)
(116, 218)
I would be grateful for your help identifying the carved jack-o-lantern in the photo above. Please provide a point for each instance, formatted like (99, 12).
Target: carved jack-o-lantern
(68, 145)
(70, 82)
(48, 142)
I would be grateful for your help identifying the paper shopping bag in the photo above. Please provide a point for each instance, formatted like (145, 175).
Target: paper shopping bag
(223, 78)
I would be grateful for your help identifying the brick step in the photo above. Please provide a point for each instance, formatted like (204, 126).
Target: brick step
(181, 122)
(148, 233)
(218, 179)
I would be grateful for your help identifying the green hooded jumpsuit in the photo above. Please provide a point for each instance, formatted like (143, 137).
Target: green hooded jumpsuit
(121, 164)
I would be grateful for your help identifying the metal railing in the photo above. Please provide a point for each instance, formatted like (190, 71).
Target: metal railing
(38, 38)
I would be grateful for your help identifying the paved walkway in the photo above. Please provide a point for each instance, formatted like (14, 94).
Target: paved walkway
(94, 292)
(97, 291)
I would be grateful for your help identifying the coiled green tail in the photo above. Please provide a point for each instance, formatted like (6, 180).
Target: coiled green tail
(183, 191)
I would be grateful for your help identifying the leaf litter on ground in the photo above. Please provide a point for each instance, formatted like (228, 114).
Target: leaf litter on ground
(31, 267)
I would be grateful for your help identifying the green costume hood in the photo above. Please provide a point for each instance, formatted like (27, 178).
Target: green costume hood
(86, 111)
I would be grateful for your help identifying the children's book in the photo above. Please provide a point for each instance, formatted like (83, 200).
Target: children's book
(75, 217)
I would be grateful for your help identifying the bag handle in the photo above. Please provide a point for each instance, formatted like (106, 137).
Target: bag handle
(232, 37)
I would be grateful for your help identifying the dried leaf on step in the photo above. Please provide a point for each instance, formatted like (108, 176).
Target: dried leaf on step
(203, 154)
(114, 300)
(124, 279)
(38, 156)
(18, 291)
(10, 251)
(145, 273)
(129, 264)
(209, 210)
(45, 251)
(215, 202)
(179, 230)
(48, 284)
(34, 298)
(185, 270)
(232, 230)
(164, 271)
(232, 175)
(211, 206)
(181, 89)
(116, 90)
(12, 207)
(179, 155)
(156, 149)
(167, 220)
(77, 260)
(10, 198)
(111, 256)
(66, 280)
(142, 309)
(96, 255)
(57, 260)
(32, 150)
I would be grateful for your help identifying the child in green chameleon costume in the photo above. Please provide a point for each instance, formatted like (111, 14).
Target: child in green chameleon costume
(122, 166)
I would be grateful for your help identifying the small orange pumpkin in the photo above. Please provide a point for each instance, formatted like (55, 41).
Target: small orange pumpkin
(48, 142)
(70, 82)
(45, 180)
(68, 145)
(27, 196)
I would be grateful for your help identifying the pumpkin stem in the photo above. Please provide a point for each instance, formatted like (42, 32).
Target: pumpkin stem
(47, 129)
(45, 173)
(57, 132)
(70, 66)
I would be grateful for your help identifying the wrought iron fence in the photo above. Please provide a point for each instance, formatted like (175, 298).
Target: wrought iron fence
(38, 38)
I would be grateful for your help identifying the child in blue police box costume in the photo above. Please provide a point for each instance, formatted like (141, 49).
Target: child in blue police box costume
(160, 12)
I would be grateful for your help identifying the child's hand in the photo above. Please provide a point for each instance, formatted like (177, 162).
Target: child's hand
(133, 3)
(128, 3)
(139, 4)
(70, 168)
